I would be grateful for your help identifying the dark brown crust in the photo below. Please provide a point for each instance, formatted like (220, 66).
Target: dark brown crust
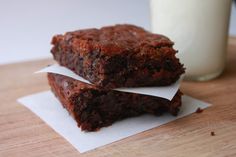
(118, 56)
(94, 108)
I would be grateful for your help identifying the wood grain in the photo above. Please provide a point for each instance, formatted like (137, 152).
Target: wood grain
(23, 134)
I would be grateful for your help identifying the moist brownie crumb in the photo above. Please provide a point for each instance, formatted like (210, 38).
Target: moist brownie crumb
(199, 110)
(118, 56)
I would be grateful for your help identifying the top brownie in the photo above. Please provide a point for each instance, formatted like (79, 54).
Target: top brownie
(118, 56)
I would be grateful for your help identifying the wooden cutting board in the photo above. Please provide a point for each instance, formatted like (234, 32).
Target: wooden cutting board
(23, 134)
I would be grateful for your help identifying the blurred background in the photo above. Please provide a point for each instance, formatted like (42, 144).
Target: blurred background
(27, 26)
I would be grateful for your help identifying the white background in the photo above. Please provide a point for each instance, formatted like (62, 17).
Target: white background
(26, 26)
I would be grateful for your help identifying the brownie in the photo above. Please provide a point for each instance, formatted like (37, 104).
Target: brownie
(118, 56)
(93, 107)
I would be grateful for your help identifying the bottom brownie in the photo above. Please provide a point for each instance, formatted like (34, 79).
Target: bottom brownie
(94, 108)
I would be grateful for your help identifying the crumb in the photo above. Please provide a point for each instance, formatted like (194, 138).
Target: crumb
(213, 133)
(199, 110)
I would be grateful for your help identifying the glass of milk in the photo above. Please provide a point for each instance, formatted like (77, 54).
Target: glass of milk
(199, 29)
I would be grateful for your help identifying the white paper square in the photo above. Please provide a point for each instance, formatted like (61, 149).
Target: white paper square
(48, 108)
(167, 92)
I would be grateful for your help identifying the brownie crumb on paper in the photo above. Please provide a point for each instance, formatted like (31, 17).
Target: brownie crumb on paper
(199, 110)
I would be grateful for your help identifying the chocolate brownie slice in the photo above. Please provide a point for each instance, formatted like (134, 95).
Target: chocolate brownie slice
(94, 108)
(118, 56)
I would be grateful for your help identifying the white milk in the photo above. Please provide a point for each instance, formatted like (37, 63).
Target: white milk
(199, 29)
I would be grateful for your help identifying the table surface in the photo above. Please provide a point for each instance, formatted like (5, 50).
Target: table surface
(22, 133)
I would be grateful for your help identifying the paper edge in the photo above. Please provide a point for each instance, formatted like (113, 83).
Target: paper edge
(121, 89)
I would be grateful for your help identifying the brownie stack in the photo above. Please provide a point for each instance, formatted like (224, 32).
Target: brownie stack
(113, 57)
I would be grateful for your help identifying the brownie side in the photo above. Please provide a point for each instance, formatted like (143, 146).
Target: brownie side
(94, 108)
(118, 56)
